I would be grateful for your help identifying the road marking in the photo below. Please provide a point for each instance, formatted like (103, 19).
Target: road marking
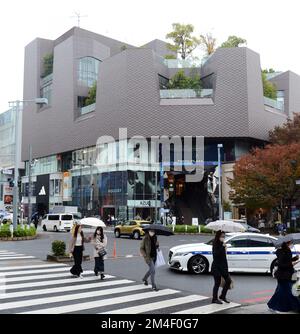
(49, 283)
(262, 292)
(102, 303)
(64, 298)
(39, 271)
(33, 266)
(17, 258)
(36, 277)
(99, 285)
(157, 305)
(208, 309)
(255, 300)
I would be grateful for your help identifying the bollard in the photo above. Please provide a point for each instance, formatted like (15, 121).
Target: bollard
(199, 228)
(185, 228)
(11, 228)
(115, 249)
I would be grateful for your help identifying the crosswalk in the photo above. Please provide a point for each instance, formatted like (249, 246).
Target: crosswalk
(49, 288)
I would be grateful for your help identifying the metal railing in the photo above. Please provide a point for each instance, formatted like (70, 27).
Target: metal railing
(185, 93)
(47, 79)
(88, 109)
(279, 105)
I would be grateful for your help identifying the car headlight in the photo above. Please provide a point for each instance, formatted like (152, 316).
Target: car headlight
(181, 254)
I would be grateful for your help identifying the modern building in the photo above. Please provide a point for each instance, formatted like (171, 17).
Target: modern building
(7, 156)
(123, 176)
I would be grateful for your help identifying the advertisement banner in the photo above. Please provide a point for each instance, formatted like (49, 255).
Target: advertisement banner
(67, 187)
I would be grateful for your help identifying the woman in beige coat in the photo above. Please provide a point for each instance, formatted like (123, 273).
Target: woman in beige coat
(99, 243)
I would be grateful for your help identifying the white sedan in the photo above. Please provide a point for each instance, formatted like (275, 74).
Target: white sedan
(246, 252)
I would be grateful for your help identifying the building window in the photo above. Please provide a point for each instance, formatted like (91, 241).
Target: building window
(55, 187)
(88, 71)
(46, 92)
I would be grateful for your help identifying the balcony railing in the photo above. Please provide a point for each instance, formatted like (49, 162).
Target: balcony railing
(88, 109)
(185, 93)
(279, 105)
(47, 79)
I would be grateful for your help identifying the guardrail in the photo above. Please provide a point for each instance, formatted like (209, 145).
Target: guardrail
(185, 93)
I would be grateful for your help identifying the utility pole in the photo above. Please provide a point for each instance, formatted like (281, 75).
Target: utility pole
(220, 182)
(29, 185)
(16, 170)
(156, 198)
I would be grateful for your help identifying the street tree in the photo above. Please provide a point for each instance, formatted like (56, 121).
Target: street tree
(208, 43)
(266, 177)
(287, 133)
(233, 42)
(184, 42)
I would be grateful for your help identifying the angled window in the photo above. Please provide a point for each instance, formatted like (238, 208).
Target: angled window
(88, 71)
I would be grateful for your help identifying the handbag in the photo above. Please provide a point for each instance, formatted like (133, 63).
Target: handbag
(223, 283)
(160, 261)
(102, 252)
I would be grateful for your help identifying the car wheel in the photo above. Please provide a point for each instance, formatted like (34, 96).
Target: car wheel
(55, 229)
(44, 228)
(198, 265)
(136, 235)
(117, 233)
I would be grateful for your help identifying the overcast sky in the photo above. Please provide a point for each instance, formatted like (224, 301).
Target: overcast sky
(271, 27)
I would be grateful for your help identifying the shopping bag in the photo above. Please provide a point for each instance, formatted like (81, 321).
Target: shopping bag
(223, 283)
(160, 261)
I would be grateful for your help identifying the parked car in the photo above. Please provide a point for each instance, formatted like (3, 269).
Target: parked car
(59, 221)
(132, 228)
(246, 252)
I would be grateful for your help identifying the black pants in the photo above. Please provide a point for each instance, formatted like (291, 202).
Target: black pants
(217, 278)
(77, 254)
(99, 265)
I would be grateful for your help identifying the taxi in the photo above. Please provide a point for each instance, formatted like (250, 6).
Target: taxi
(246, 252)
(131, 228)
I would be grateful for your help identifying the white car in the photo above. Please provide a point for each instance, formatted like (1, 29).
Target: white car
(59, 222)
(246, 252)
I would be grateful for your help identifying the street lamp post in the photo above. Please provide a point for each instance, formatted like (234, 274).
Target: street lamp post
(16, 105)
(220, 182)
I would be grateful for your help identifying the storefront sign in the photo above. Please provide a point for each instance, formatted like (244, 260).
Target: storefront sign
(142, 203)
(8, 199)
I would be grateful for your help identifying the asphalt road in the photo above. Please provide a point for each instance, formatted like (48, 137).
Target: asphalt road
(248, 288)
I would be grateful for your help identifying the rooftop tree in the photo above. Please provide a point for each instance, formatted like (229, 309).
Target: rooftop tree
(47, 64)
(233, 42)
(182, 81)
(208, 43)
(270, 89)
(184, 42)
(92, 95)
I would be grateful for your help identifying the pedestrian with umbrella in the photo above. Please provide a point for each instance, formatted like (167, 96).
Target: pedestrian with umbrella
(283, 300)
(149, 249)
(99, 242)
(219, 267)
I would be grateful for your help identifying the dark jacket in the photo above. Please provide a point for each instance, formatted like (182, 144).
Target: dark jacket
(220, 264)
(284, 262)
(145, 247)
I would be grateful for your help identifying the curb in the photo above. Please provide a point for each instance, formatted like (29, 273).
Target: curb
(18, 238)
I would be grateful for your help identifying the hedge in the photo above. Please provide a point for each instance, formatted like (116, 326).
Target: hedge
(59, 248)
(18, 232)
(189, 229)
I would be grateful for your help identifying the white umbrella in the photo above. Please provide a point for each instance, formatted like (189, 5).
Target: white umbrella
(93, 222)
(226, 226)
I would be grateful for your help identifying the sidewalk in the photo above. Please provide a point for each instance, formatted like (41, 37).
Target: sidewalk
(253, 309)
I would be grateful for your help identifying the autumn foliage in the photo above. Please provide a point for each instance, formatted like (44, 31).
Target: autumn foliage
(267, 177)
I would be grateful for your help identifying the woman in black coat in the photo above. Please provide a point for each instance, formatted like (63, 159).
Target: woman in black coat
(283, 299)
(219, 268)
